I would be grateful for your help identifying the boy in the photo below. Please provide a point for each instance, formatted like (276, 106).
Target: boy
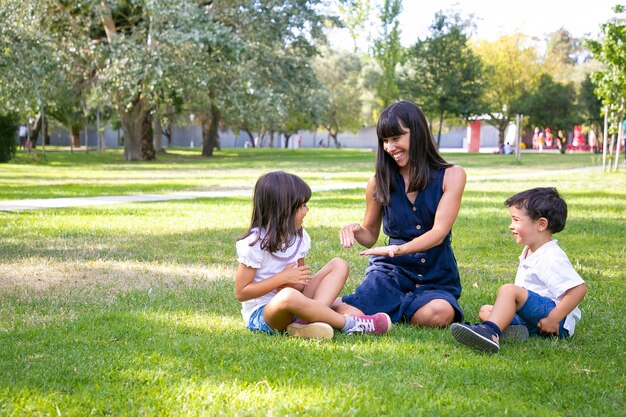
(547, 289)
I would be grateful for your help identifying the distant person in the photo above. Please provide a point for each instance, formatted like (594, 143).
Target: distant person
(547, 289)
(23, 136)
(561, 141)
(536, 137)
(416, 195)
(593, 145)
(277, 289)
(549, 140)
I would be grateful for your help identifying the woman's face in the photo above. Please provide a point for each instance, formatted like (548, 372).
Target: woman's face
(398, 148)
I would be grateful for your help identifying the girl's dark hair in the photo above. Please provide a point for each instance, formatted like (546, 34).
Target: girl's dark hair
(542, 202)
(277, 197)
(394, 121)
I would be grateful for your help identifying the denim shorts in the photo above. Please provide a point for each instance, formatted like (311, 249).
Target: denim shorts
(257, 322)
(534, 309)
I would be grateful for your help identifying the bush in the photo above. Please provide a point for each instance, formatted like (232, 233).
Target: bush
(8, 130)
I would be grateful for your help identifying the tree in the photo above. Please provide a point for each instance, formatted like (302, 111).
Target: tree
(39, 63)
(388, 52)
(611, 83)
(589, 104)
(354, 15)
(511, 69)
(339, 72)
(442, 71)
(551, 104)
(273, 65)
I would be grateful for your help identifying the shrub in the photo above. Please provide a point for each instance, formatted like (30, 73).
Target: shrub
(8, 127)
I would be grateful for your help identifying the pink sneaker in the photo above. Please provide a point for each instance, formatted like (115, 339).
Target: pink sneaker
(379, 323)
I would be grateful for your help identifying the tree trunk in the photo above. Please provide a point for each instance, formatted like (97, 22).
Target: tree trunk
(34, 134)
(136, 123)
(157, 133)
(251, 136)
(502, 125)
(147, 138)
(287, 137)
(210, 134)
(75, 136)
(271, 139)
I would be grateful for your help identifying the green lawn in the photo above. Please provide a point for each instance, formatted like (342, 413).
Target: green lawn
(129, 309)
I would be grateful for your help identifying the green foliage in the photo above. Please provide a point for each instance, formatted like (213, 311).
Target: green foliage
(8, 133)
(339, 73)
(589, 104)
(129, 310)
(443, 73)
(552, 104)
(388, 52)
(511, 69)
(611, 83)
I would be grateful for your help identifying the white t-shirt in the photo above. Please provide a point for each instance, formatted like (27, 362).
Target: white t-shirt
(268, 264)
(549, 273)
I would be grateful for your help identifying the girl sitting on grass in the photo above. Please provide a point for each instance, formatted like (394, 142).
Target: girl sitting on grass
(277, 289)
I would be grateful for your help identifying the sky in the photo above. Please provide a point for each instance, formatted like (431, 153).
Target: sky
(495, 18)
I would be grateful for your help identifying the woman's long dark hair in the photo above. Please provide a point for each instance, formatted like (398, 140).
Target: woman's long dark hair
(423, 155)
(277, 197)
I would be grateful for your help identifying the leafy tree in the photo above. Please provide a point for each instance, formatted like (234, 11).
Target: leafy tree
(388, 52)
(611, 83)
(39, 65)
(589, 104)
(551, 104)
(339, 72)
(260, 93)
(354, 15)
(511, 69)
(443, 73)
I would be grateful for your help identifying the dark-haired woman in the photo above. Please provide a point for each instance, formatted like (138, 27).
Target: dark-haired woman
(416, 195)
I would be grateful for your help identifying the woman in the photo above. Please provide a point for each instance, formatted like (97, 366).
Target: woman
(416, 195)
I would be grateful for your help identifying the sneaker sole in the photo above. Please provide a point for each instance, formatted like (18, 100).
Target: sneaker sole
(321, 331)
(473, 339)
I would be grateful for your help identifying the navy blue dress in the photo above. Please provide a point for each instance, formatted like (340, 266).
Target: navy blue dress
(401, 285)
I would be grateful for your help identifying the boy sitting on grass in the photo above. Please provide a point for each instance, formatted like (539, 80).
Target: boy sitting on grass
(547, 289)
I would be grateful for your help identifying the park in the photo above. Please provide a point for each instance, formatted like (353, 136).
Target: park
(131, 137)
(129, 309)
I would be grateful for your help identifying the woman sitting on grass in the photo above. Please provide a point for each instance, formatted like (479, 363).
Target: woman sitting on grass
(277, 289)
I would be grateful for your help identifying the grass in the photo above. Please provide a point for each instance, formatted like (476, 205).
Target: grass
(129, 309)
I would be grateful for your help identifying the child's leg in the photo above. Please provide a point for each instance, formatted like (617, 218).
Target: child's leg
(281, 309)
(289, 302)
(328, 282)
(485, 312)
(509, 299)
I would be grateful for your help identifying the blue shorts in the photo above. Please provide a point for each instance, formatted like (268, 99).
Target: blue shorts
(534, 309)
(257, 322)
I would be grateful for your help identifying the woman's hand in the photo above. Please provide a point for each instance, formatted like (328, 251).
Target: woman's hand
(391, 251)
(346, 234)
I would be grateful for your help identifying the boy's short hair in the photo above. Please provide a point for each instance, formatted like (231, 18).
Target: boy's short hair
(542, 202)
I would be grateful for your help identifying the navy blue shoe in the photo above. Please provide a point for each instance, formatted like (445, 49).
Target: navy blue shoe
(478, 336)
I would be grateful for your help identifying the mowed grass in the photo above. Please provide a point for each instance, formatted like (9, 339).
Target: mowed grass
(129, 309)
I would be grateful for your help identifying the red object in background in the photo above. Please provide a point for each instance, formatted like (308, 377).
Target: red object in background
(474, 136)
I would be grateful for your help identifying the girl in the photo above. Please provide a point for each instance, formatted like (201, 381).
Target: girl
(416, 195)
(272, 281)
